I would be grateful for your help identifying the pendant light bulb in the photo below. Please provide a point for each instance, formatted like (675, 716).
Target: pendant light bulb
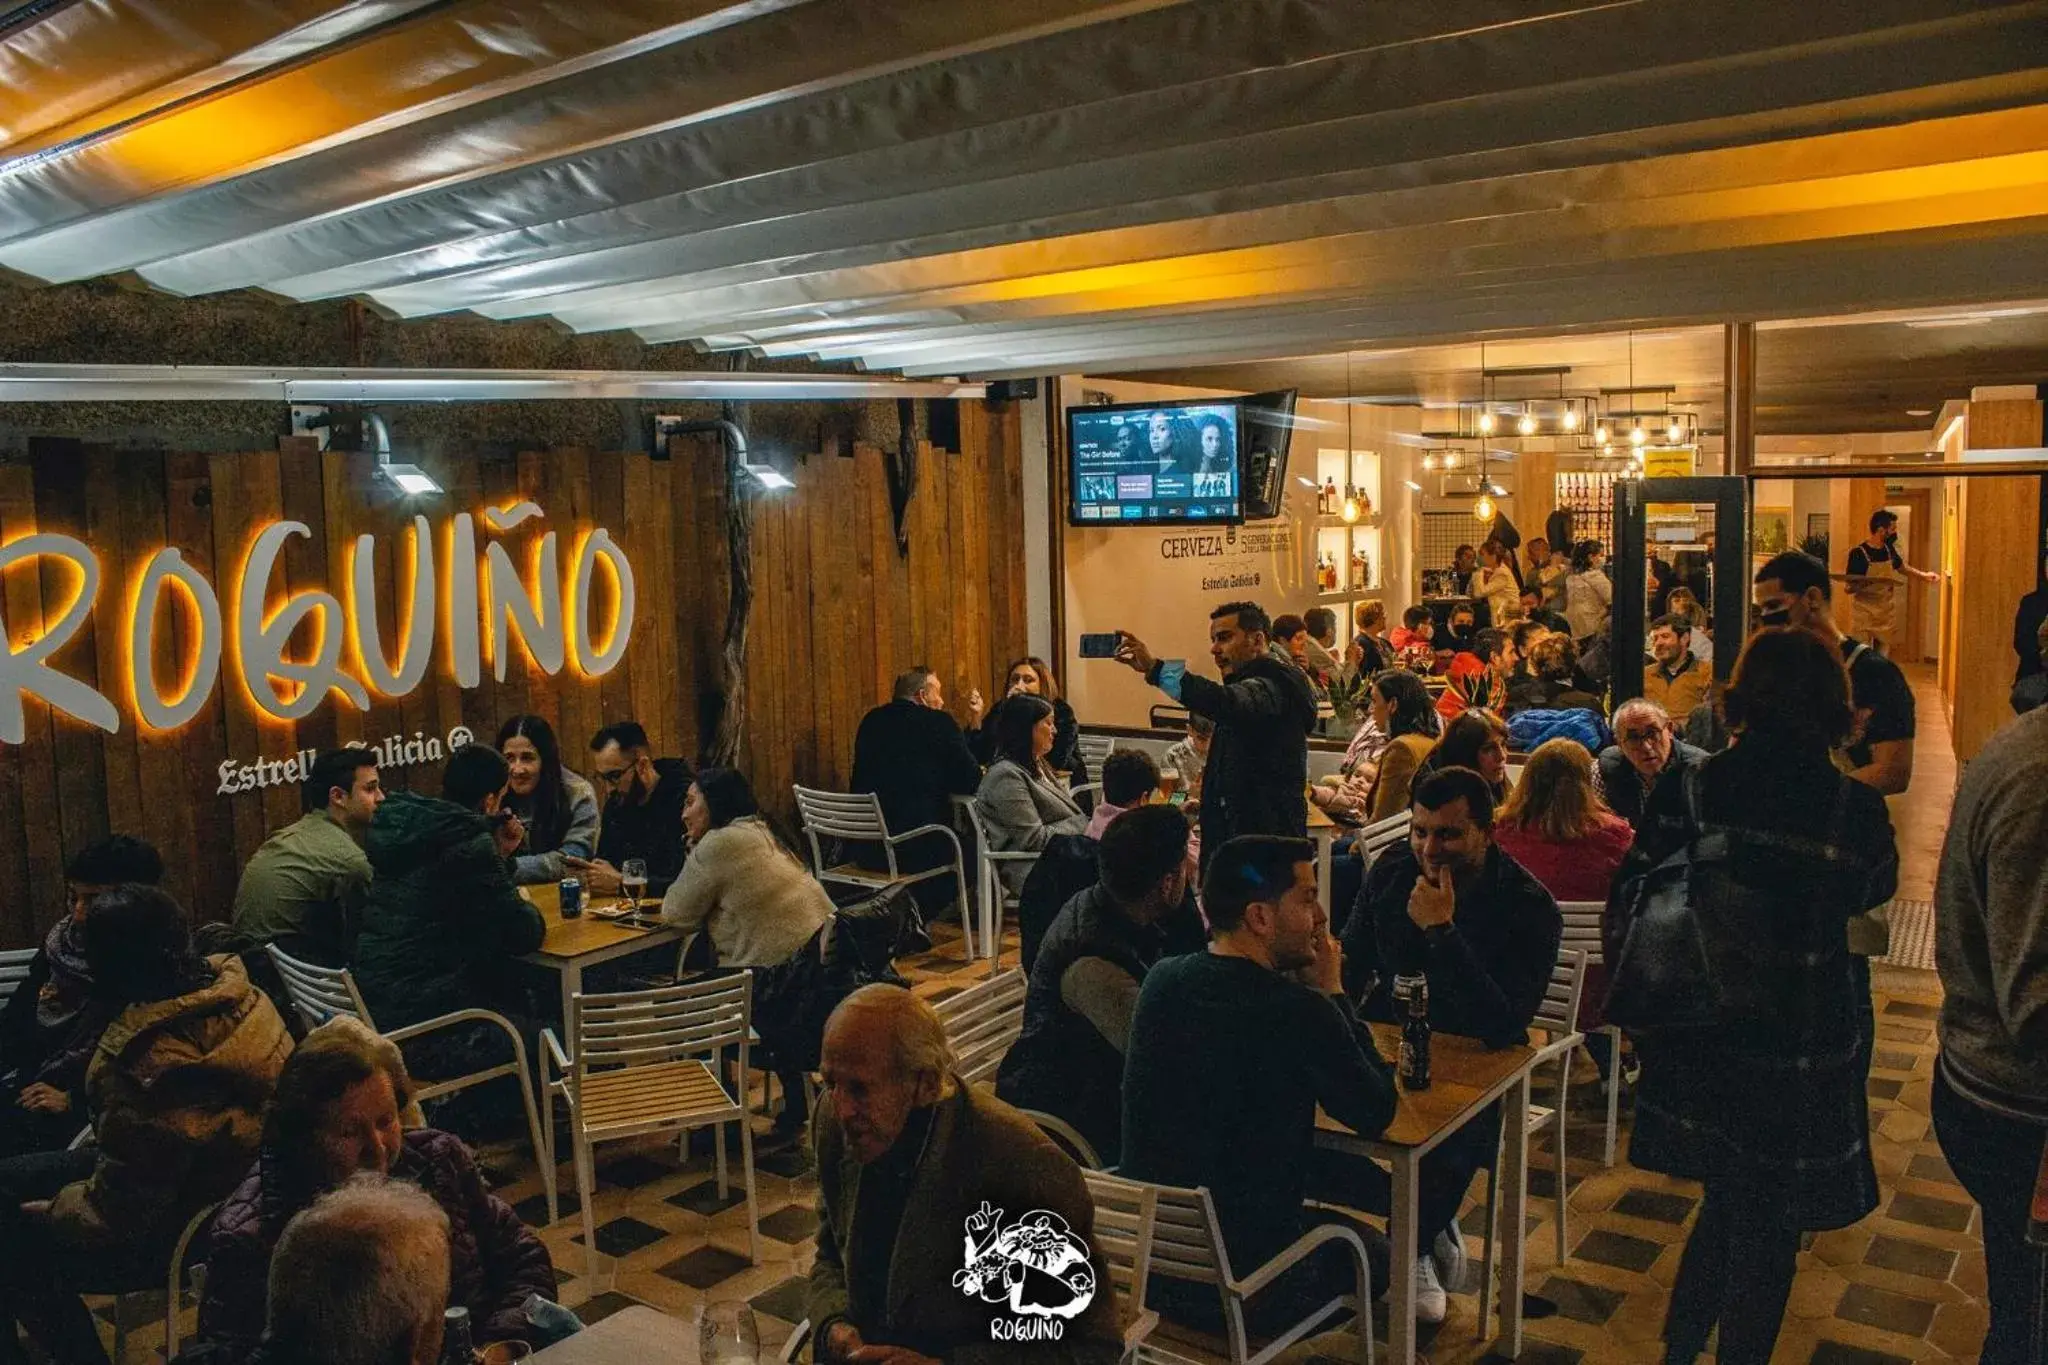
(1638, 436)
(1351, 510)
(1483, 509)
(1571, 419)
(1451, 459)
(1674, 431)
(1429, 462)
(1486, 422)
(1600, 433)
(1527, 426)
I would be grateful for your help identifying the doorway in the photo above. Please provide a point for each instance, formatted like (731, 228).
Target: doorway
(1915, 510)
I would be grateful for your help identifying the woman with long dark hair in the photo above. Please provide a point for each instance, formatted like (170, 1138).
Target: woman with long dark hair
(1402, 710)
(1767, 1109)
(1032, 676)
(558, 808)
(1477, 740)
(1021, 803)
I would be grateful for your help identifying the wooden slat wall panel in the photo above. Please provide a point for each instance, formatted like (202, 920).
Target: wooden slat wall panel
(838, 612)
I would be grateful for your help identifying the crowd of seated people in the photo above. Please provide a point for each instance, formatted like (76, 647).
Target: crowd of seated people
(1189, 1039)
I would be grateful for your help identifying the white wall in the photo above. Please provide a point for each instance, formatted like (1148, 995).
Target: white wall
(1161, 583)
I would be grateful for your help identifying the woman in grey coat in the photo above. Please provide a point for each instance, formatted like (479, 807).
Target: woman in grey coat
(558, 808)
(1021, 803)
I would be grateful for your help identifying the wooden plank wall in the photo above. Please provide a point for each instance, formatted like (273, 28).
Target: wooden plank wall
(838, 612)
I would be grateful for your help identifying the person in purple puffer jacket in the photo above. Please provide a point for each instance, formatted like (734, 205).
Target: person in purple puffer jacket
(344, 1104)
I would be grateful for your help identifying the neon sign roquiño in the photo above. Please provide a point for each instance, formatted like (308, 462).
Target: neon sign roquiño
(471, 604)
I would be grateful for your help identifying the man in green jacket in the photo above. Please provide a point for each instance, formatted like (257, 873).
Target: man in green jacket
(950, 1228)
(443, 924)
(304, 888)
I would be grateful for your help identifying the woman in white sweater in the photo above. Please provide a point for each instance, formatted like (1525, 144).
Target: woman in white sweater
(739, 884)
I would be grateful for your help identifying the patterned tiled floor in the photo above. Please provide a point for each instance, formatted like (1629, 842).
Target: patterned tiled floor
(1906, 1284)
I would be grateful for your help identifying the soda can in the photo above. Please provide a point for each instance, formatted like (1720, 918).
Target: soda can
(572, 897)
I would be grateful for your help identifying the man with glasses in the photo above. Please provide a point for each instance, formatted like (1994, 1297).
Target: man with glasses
(643, 810)
(1646, 756)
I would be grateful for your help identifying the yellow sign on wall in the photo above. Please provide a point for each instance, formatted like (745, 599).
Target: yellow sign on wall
(476, 604)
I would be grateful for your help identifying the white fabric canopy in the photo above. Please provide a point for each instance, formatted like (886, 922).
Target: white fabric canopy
(1020, 186)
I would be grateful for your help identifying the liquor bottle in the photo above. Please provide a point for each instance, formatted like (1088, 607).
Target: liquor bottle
(1411, 1005)
(1361, 571)
(1330, 502)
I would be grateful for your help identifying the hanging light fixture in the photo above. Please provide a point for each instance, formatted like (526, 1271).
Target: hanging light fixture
(1638, 436)
(1351, 510)
(1571, 419)
(1600, 433)
(1675, 430)
(1486, 422)
(1527, 426)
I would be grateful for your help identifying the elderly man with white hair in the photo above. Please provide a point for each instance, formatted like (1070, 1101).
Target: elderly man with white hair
(1646, 755)
(360, 1278)
(950, 1228)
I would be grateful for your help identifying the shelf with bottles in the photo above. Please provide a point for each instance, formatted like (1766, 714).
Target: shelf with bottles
(1589, 496)
(1347, 561)
(1347, 486)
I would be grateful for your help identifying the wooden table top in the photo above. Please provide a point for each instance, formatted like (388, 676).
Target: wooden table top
(1460, 1071)
(1319, 819)
(631, 1336)
(585, 933)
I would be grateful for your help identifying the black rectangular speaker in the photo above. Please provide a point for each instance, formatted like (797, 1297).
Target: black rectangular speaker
(1003, 390)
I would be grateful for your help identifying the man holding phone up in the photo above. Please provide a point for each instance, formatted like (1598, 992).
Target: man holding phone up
(1256, 781)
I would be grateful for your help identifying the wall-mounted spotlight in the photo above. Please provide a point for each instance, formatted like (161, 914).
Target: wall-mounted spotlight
(410, 478)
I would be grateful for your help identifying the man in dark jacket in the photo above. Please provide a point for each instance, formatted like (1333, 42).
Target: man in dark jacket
(1450, 906)
(908, 1156)
(1646, 757)
(1069, 1060)
(1257, 778)
(912, 754)
(443, 922)
(643, 810)
(52, 1023)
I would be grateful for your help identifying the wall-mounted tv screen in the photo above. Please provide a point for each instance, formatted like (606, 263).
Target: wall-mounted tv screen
(1154, 464)
(1265, 434)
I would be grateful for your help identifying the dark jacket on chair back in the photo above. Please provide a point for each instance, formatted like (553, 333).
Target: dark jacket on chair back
(1061, 1063)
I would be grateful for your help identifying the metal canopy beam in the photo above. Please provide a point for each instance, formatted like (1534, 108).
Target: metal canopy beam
(251, 383)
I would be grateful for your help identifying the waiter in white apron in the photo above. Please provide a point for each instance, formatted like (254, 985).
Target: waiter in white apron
(1876, 573)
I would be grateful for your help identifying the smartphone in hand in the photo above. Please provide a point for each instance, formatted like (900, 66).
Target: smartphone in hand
(1099, 646)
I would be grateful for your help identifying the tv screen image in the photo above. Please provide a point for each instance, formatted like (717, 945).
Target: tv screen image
(1155, 463)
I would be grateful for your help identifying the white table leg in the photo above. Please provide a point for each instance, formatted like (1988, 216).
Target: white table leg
(1324, 843)
(572, 986)
(1514, 1211)
(1401, 1226)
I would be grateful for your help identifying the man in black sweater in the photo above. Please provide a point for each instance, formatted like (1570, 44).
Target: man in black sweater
(1256, 781)
(912, 754)
(1450, 906)
(643, 810)
(1069, 1060)
(1231, 1051)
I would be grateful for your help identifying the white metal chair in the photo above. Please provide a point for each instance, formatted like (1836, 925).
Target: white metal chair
(14, 965)
(989, 893)
(141, 1305)
(1383, 834)
(1558, 1018)
(649, 1062)
(1582, 931)
(857, 816)
(321, 993)
(1093, 749)
(1187, 1244)
(1125, 1214)
(982, 1022)
(1067, 1136)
